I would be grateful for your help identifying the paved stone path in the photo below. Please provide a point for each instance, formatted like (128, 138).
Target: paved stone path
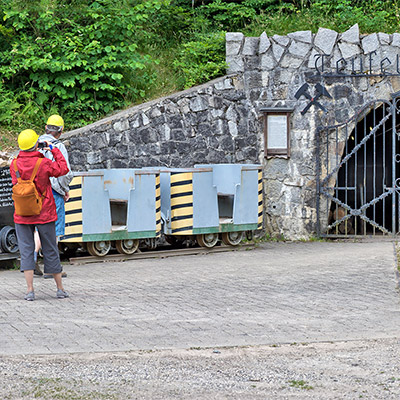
(277, 293)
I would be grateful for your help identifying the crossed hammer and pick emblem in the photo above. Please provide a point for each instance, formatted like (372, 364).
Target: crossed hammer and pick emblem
(320, 91)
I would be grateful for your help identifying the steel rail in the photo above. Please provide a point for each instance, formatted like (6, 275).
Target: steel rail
(140, 255)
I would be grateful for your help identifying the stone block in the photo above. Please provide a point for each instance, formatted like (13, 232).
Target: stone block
(250, 46)
(93, 157)
(341, 91)
(216, 113)
(145, 119)
(268, 61)
(264, 43)
(231, 114)
(99, 141)
(237, 82)
(279, 93)
(219, 85)
(227, 144)
(155, 112)
(265, 78)
(299, 49)
(301, 36)
(384, 38)
(278, 51)
(396, 39)
(198, 104)
(148, 135)
(121, 125)
(252, 80)
(312, 58)
(235, 64)
(177, 134)
(232, 126)
(291, 62)
(135, 123)
(349, 50)
(352, 35)
(281, 40)
(337, 55)
(166, 134)
(234, 42)
(251, 63)
(228, 83)
(370, 43)
(325, 40)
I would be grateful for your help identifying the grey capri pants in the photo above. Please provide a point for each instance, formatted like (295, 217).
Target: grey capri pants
(26, 244)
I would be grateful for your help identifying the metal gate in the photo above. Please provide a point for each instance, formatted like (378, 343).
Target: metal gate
(358, 173)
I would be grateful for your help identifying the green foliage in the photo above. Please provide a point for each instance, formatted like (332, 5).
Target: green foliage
(87, 58)
(201, 60)
(82, 62)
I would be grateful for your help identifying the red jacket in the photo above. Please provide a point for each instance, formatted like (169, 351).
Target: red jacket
(26, 161)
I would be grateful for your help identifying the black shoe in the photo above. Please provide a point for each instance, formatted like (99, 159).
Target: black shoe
(49, 276)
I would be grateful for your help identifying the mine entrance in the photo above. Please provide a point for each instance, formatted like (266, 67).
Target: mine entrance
(358, 166)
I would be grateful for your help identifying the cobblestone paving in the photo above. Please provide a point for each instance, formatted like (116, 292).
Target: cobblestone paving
(278, 293)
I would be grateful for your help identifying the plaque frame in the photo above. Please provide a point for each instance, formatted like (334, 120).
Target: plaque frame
(270, 113)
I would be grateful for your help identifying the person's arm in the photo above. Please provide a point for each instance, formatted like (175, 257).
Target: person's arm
(59, 166)
(66, 179)
(13, 174)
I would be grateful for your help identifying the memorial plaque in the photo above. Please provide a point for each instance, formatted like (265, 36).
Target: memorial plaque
(277, 131)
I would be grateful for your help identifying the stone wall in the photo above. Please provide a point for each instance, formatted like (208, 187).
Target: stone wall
(212, 123)
(221, 121)
(274, 68)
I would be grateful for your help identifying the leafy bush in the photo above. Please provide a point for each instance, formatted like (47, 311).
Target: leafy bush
(201, 60)
(83, 65)
(87, 58)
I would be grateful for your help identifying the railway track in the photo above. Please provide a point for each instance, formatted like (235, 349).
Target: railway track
(139, 255)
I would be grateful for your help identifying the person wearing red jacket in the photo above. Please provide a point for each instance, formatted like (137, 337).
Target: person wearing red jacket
(45, 221)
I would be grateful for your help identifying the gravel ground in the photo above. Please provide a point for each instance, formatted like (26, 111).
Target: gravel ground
(341, 370)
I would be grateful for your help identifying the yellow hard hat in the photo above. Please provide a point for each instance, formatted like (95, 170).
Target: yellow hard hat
(27, 139)
(55, 120)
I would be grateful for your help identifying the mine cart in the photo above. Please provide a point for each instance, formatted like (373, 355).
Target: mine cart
(112, 207)
(211, 202)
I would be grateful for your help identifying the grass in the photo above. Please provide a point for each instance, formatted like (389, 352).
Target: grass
(8, 140)
(57, 389)
(300, 385)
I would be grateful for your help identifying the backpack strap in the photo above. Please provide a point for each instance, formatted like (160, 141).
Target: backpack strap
(35, 170)
(16, 170)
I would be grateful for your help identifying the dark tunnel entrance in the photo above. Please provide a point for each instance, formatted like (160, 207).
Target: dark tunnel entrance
(364, 198)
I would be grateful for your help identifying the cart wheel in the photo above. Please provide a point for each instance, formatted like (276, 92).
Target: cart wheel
(99, 249)
(207, 239)
(8, 239)
(232, 238)
(127, 246)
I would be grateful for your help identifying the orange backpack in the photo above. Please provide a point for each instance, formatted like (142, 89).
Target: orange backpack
(27, 201)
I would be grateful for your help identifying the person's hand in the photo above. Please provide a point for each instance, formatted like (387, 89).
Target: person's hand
(66, 196)
(49, 146)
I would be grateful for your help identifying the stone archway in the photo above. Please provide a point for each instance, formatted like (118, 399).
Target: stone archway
(359, 174)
